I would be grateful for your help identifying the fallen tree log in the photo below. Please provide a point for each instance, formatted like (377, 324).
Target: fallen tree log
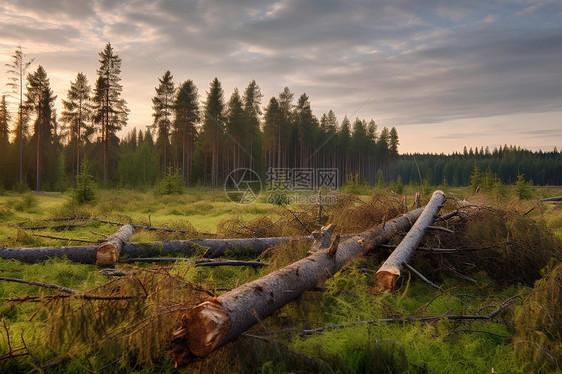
(555, 198)
(107, 253)
(216, 248)
(389, 272)
(212, 324)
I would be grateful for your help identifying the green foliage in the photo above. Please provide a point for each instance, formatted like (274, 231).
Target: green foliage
(61, 178)
(27, 202)
(85, 191)
(476, 179)
(171, 184)
(523, 188)
(379, 177)
(21, 187)
(353, 185)
(538, 341)
(399, 187)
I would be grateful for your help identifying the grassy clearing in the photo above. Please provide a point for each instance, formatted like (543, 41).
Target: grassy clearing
(129, 333)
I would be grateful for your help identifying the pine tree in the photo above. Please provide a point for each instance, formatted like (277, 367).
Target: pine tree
(110, 109)
(4, 123)
(236, 130)
(40, 99)
(77, 114)
(163, 105)
(286, 124)
(393, 144)
(18, 69)
(213, 127)
(272, 133)
(252, 113)
(187, 116)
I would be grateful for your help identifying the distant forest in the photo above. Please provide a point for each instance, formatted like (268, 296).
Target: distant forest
(204, 140)
(504, 163)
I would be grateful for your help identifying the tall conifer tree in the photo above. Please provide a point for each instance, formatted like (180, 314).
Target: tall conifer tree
(163, 105)
(77, 114)
(40, 100)
(187, 116)
(111, 110)
(18, 70)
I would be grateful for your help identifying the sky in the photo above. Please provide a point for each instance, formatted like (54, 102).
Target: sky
(446, 74)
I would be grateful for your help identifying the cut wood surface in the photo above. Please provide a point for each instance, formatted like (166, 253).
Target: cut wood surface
(108, 252)
(389, 272)
(216, 248)
(212, 324)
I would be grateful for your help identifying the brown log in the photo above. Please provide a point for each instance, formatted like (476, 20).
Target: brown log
(108, 252)
(389, 272)
(212, 324)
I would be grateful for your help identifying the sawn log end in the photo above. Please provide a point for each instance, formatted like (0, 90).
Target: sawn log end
(386, 279)
(201, 331)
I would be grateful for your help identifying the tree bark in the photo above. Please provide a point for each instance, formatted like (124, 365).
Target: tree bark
(216, 248)
(212, 324)
(107, 252)
(389, 272)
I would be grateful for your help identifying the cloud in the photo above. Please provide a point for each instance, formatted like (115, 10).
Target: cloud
(401, 63)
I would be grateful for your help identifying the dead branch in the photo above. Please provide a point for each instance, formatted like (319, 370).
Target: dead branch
(439, 228)
(199, 262)
(40, 284)
(66, 239)
(483, 331)
(420, 275)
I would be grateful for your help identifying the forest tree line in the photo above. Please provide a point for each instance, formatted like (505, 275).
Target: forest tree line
(201, 140)
(204, 140)
(503, 164)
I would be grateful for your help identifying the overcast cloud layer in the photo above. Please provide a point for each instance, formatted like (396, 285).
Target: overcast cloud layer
(445, 74)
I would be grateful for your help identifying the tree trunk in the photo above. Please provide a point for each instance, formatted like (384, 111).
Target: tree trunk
(215, 248)
(212, 324)
(107, 252)
(556, 198)
(389, 272)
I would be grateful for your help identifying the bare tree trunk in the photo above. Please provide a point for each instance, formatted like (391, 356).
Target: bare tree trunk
(87, 254)
(389, 272)
(107, 252)
(212, 324)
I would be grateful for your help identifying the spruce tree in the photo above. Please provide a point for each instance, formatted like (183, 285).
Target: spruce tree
(4, 123)
(236, 130)
(40, 100)
(252, 114)
(187, 116)
(77, 114)
(110, 109)
(163, 105)
(213, 127)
